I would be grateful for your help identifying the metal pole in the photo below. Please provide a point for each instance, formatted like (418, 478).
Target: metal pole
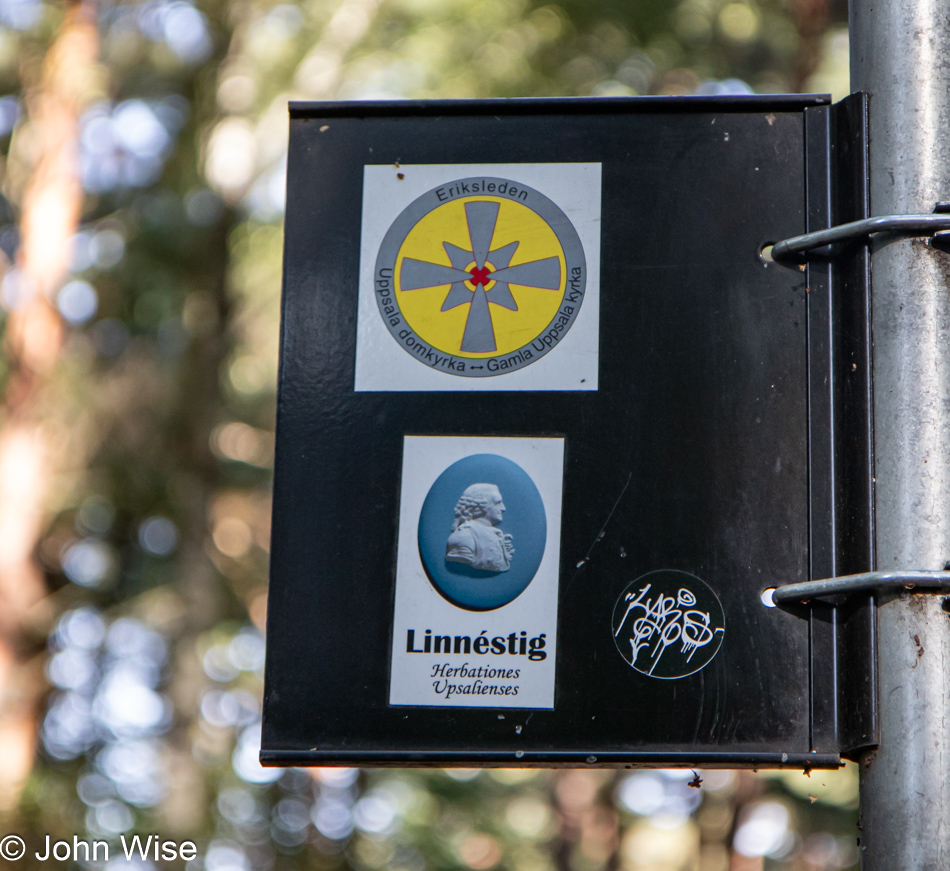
(900, 54)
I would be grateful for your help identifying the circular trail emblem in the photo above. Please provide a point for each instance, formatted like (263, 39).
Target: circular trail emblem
(668, 624)
(482, 532)
(480, 276)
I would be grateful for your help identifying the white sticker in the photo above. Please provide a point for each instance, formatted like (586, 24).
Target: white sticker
(479, 277)
(475, 620)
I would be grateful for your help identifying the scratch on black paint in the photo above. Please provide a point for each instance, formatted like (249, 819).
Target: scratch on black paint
(600, 534)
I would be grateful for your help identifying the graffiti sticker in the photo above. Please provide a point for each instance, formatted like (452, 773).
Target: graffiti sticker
(668, 624)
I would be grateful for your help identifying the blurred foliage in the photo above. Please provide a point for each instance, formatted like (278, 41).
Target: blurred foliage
(161, 408)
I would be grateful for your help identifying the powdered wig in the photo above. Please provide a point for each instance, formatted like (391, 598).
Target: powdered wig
(475, 502)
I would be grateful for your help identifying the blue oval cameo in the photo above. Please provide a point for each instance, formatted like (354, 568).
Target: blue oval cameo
(482, 532)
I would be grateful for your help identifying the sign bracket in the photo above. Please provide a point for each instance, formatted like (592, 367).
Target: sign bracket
(865, 582)
(798, 249)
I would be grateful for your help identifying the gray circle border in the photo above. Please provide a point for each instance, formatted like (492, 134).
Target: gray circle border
(421, 350)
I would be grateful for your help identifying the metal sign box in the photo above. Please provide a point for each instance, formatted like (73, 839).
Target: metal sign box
(548, 426)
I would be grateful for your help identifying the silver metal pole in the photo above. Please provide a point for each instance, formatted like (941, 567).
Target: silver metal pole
(900, 54)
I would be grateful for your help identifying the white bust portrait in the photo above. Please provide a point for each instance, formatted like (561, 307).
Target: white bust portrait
(476, 539)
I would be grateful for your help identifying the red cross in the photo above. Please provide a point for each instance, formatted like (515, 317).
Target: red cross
(480, 276)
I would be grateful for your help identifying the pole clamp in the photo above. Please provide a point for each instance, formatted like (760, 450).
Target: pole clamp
(868, 582)
(799, 249)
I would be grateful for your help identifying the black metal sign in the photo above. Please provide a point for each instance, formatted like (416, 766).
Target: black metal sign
(549, 425)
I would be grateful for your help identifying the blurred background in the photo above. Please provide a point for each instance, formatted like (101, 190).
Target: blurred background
(142, 160)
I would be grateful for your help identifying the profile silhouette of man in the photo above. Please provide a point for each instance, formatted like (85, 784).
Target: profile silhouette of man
(475, 539)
